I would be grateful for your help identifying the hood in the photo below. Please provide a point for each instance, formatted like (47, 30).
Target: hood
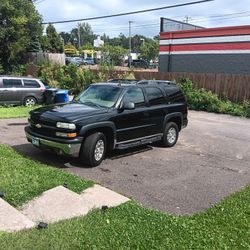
(68, 112)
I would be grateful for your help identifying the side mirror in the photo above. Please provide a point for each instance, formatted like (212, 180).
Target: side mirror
(128, 106)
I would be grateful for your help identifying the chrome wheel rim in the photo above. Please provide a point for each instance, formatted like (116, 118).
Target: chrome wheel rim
(30, 102)
(99, 150)
(171, 135)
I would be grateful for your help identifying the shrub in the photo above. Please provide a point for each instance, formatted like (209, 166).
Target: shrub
(66, 77)
(205, 100)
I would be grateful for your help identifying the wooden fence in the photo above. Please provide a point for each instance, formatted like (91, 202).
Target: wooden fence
(235, 87)
(39, 57)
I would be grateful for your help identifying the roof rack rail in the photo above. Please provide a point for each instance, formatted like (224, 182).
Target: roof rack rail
(127, 81)
(156, 82)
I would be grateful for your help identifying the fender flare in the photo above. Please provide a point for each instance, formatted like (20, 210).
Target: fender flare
(97, 125)
(172, 115)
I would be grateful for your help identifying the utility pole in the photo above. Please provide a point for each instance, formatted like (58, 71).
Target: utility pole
(130, 47)
(187, 18)
(79, 37)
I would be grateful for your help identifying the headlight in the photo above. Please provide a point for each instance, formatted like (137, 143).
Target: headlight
(66, 125)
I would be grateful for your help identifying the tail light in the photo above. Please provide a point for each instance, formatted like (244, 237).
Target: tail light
(42, 89)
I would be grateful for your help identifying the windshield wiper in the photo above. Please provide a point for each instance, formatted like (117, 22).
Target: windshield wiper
(92, 104)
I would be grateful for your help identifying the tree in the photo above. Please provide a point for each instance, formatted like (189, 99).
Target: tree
(86, 34)
(20, 23)
(66, 37)
(35, 45)
(149, 50)
(114, 54)
(54, 40)
(70, 49)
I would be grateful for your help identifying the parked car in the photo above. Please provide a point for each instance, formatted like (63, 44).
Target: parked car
(109, 116)
(140, 63)
(89, 61)
(78, 61)
(21, 90)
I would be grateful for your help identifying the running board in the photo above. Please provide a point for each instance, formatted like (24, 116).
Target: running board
(139, 142)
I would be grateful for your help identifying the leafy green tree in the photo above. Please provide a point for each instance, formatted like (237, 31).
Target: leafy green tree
(70, 49)
(113, 54)
(149, 50)
(87, 46)
(66, 37)
(54, 40)
(20, 23)
(121, 40)
(45, 45)
(86, 34)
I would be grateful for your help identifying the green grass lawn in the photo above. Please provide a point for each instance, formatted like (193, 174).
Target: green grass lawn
(23, 179)
(129, 226)
(15, 111)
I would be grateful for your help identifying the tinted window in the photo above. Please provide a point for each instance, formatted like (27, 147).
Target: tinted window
(155, 96)
(31, 84)
(12, 83)
(136, 96)
(175, 95)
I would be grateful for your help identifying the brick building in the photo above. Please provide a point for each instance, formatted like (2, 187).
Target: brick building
(206, 50)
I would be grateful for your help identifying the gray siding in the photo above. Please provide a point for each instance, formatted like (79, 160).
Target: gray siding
(206, 63)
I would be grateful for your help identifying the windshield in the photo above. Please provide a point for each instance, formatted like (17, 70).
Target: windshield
(100, 96)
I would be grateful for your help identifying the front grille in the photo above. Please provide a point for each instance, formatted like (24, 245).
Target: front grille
(43, 131)
(42, 126)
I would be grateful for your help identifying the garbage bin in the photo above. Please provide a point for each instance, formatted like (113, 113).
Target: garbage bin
(50, 96)
(62, 96)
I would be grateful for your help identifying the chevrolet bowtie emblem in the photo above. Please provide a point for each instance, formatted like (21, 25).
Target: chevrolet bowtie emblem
(38, 125)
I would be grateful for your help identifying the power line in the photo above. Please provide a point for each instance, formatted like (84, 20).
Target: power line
(98, 28)
(129, 13)
(218, 19)
(38, 1)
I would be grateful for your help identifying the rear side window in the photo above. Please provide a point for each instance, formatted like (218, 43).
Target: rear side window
(12, 83)
(155, 96)
(136, 96)
(175, 95)
(31, 84)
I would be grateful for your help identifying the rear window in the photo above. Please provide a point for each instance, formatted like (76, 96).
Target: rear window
(155, 96)
(12, 83)
(31, 84)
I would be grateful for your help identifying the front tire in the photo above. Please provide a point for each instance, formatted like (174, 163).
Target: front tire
(93, 149)
(170, 135)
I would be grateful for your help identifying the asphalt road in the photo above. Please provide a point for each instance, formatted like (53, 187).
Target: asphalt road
(210, 161)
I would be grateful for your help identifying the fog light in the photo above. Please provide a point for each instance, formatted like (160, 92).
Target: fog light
(61, 134)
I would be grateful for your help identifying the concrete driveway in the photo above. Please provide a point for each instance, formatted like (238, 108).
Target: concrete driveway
(210, 161)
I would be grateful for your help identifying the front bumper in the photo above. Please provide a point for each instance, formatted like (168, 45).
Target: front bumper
(61, 147)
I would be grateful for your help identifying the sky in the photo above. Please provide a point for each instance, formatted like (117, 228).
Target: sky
(217, 13)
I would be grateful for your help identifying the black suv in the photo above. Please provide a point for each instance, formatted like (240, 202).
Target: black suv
(109, 116)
